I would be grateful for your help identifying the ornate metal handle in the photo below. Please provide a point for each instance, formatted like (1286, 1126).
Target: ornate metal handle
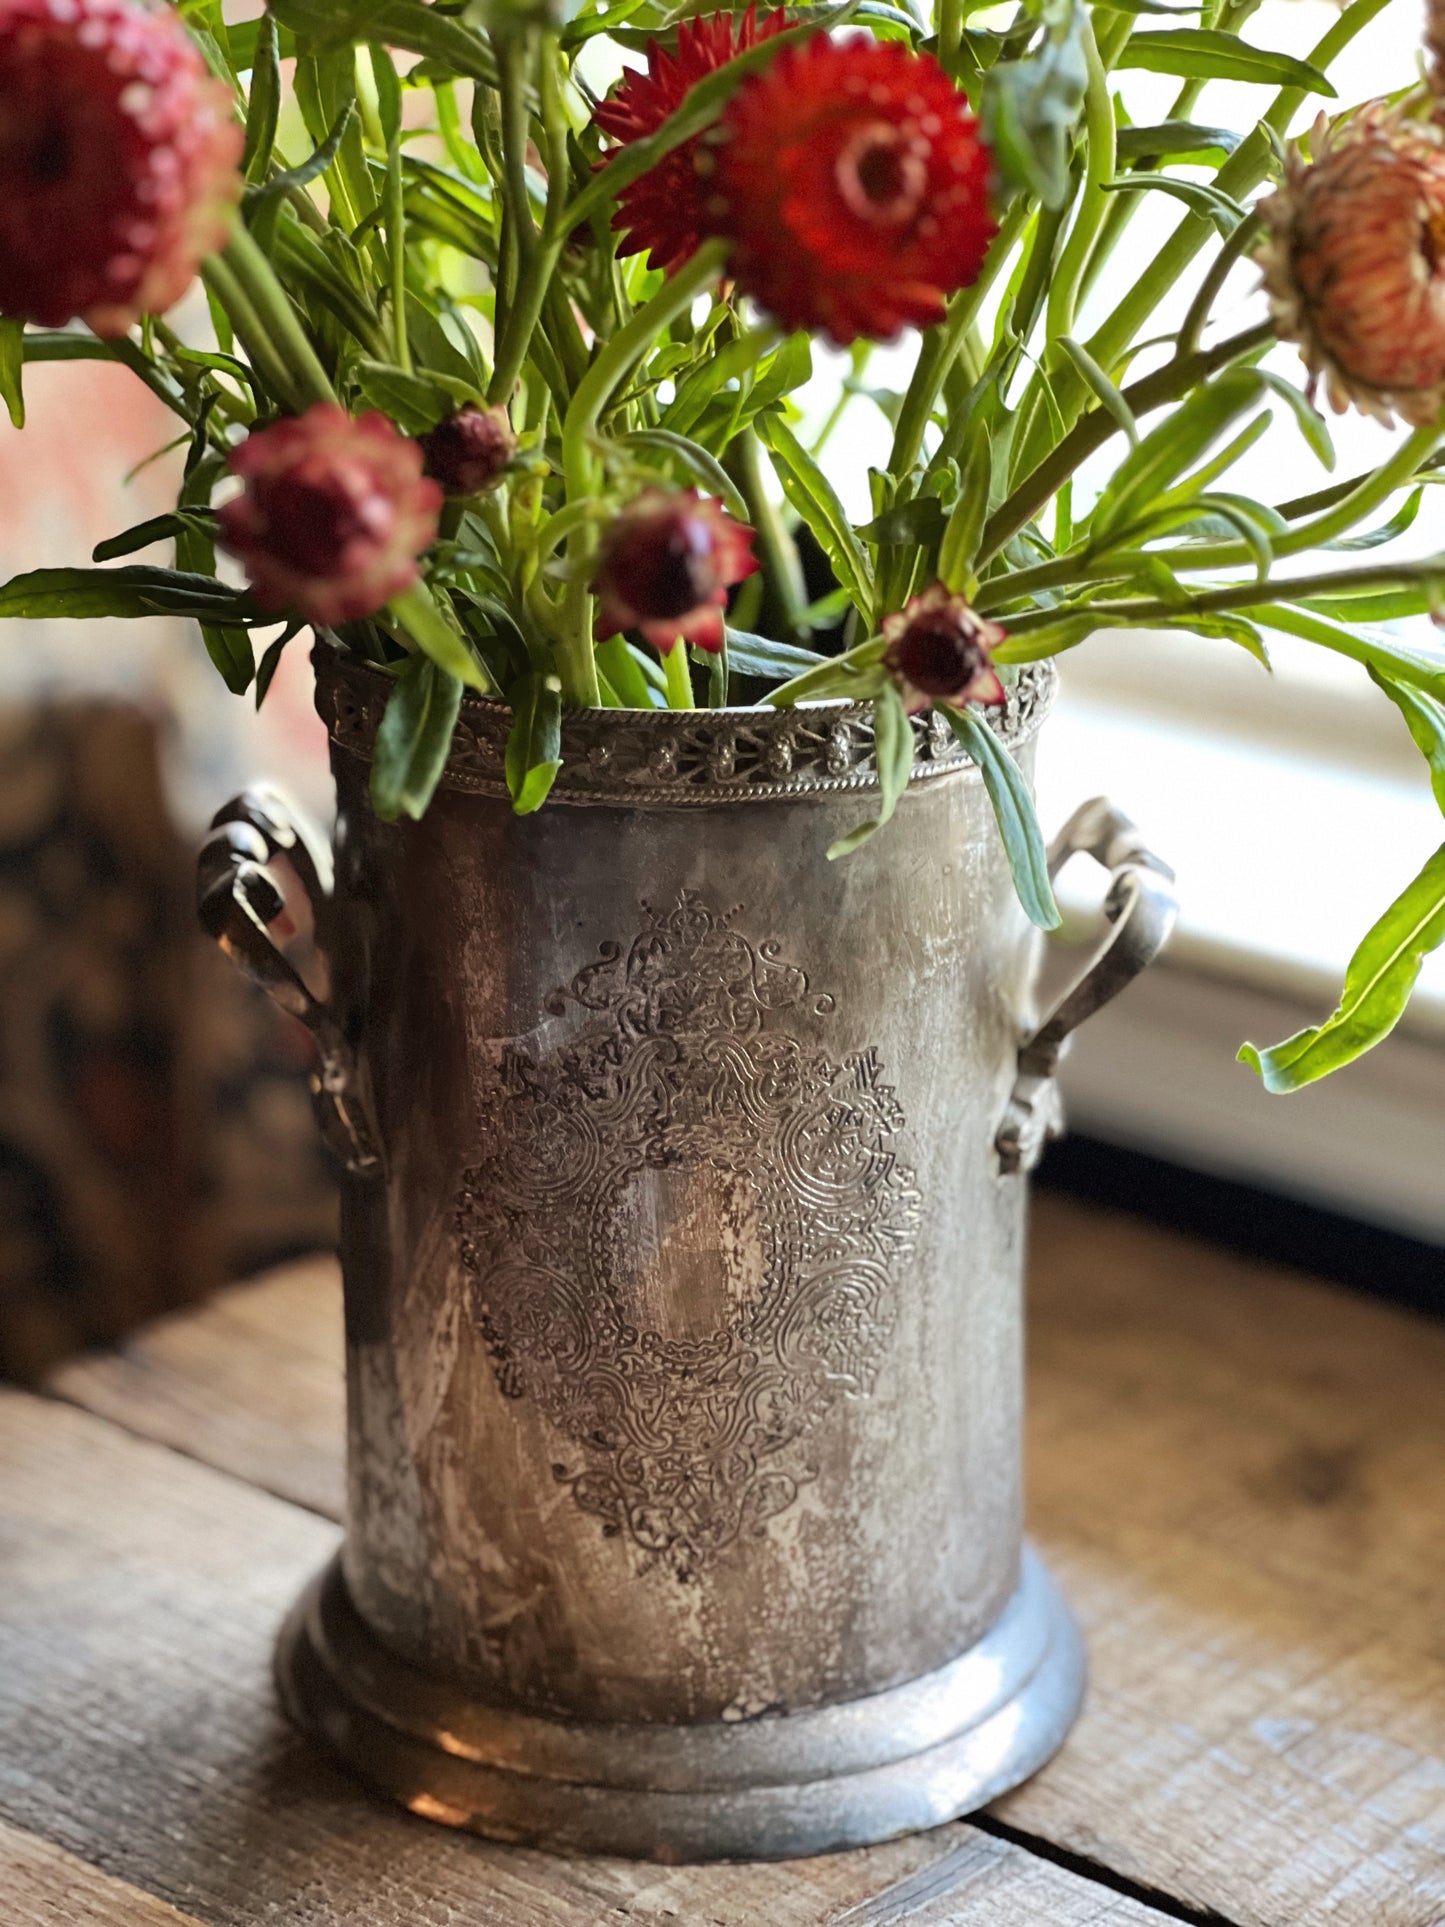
(238, 899)
(1142, 906)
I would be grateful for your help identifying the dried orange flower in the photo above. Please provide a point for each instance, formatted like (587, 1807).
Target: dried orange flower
(1354, 262)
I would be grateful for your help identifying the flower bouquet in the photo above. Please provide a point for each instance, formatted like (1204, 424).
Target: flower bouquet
(504, 365)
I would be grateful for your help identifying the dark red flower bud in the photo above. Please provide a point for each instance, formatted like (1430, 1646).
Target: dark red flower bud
(939, 651)
(333, 515)
(666, 566)
(118, 161)
(468, 451)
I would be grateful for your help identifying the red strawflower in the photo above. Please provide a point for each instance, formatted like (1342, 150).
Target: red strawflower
(118, 161)
(468, 451)
(663, 212)
(333, 516)
(666, 566)
(854, 186)
(939, 651)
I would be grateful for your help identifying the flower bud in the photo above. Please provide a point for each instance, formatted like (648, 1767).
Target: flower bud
(469, 450)
(118, 161)
(333, 515)
(666, 566)
(939, 651)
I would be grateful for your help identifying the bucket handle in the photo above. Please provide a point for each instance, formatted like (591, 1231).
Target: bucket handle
(1142, 907)
(239, 897)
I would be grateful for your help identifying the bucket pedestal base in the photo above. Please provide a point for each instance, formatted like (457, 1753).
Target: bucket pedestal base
(831, 1777)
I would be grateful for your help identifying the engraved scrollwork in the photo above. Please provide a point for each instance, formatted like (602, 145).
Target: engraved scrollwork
(686, 1231)
(674, 758)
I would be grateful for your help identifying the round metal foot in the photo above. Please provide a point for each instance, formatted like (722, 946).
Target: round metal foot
(831, 1777)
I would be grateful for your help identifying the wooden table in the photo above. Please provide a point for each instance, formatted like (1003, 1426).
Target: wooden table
(1239, 1475)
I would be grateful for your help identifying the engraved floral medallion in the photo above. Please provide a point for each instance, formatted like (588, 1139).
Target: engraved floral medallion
(686, 1233)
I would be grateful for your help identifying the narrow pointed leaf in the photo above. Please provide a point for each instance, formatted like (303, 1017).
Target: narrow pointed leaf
(1013, 808)
(413, 739)
(1378, 983)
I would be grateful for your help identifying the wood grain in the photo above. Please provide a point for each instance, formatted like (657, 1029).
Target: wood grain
(42, 1886)
(253, 1384)
(1239, 1476)
(138, 1730)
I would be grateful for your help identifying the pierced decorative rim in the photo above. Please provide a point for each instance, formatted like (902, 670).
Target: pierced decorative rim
(670, 758)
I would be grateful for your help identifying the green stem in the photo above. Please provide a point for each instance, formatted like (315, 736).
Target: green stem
(1375, 488)
(1238, 595)
(1166, 384)
(250, 333)
(782, 566)
(277, 316)
(1240, 175)
(620, 355)
(394, 212)
(538, 263)
(941, 345)
(1094, 200)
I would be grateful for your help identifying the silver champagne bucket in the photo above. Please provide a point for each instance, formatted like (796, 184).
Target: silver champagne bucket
(683, 1239)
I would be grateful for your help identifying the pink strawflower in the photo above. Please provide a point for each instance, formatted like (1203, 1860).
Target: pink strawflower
(333, 516)
(469, 450)
(666, 566)
(1354, 262)
(118, 161)
(939, 650)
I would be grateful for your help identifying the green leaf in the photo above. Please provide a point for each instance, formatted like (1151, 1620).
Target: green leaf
(813, 496)
(415, 403)
(132, 592)
(1179, 441)
(751, 655)
(1421, 668)
(1013, 809)
(413, 739)
(1312, 424)
(12, 362)
(893, 752)
(534, 742)
(1208, 53)
(1030, 107)
(159, 528)
(1200, 197)
(310, 169)
(1425, 720)
(1105, 391)
(626, 673)
(264, 110)
(911, 524)
(391, 23)
(1399, 522)
(1378, 983)
(1176, 140)
(696, 463)
(422, 618)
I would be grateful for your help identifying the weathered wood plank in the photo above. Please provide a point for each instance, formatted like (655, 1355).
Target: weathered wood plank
(138, 1729)
(254, 1384)
(42, 1886)
(1240, 1477)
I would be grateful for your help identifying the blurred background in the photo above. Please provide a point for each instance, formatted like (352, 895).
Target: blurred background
(155, 1129)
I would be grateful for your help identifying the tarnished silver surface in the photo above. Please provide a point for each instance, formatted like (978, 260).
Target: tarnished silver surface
(683, 1301)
